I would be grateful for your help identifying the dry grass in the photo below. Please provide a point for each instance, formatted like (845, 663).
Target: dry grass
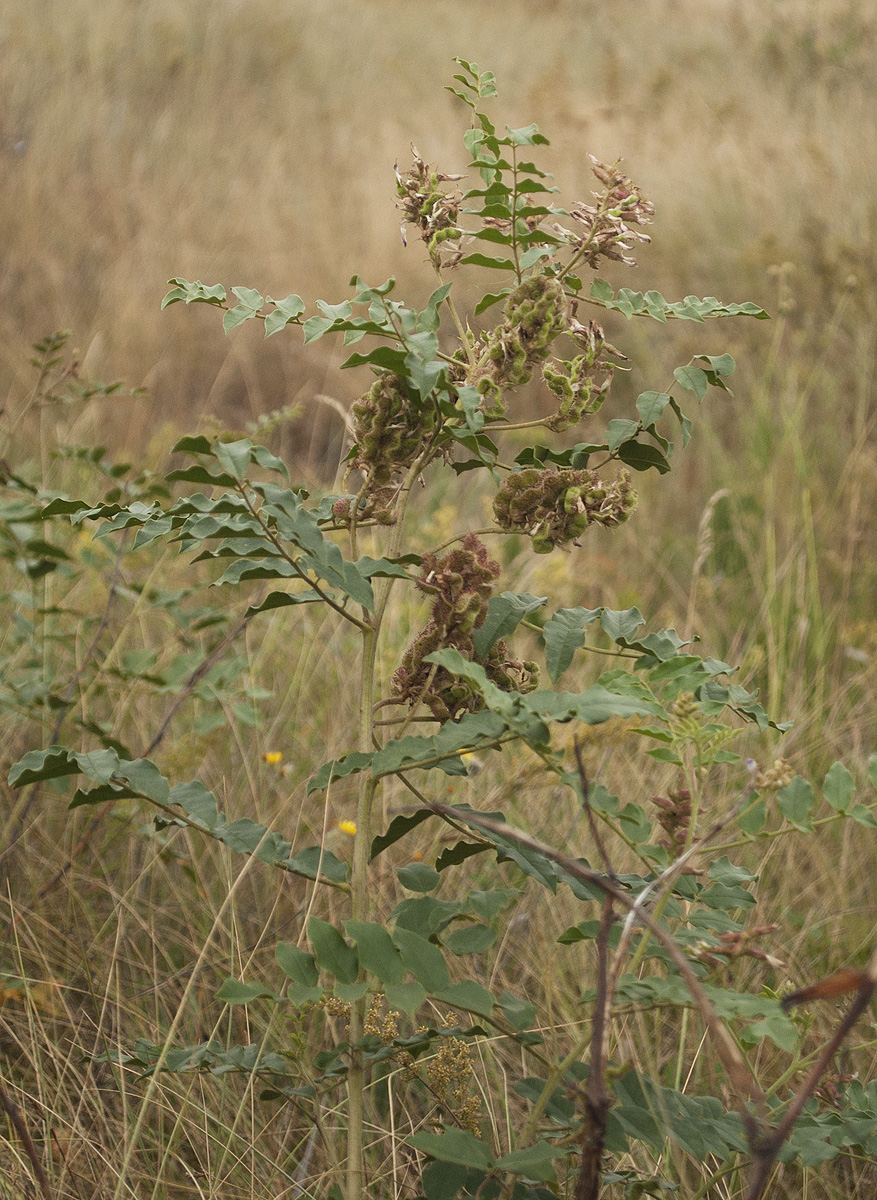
(253, 143)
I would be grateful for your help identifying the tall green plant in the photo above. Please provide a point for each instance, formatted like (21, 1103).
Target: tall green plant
(663, 906)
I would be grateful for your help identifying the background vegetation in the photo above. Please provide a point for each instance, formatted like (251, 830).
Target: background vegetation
(254, 143)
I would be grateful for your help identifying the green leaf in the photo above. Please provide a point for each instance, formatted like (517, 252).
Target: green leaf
(236, 316)
(482, 260)
(331, 951)
(454, 1146)
(340, 768)
(418, 877)
(54, 763)
(564, 634)
(468, 995)
(424, 960)
(862, 815)
(619, 431)
(273, 599)
(470, 939)
(781, 1031)
(376, 951)
(194, 293)
(643, 457)
(350, 992)
(723, 364)
(650, 406)
(532, 1161)
(838, 787)
(408, 997)
(693, 379)
(297, 964)
(520, 1014)
(752, 819)
(144, 778)
(533, 255)
(284, 312)
(489, 299)
(299, 995)
(198, 473)
(443, 1181)
(396, 830)
(504, 614)
(796, 803)
(621, 624)
(315, 862)
(235, 992)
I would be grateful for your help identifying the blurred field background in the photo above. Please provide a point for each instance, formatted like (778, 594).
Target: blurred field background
(253, 143)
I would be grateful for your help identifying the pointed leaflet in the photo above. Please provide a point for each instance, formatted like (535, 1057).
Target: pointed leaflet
(504, 614)
(424, 960)
(564, 634)
(650, 406)
(297, 964)
(376, 950)
(454, 1146)
(838, 787)
(331, 951)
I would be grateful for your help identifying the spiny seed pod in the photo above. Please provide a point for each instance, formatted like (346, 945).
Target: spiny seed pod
(556, 505)
(535, 314)
(390, 429)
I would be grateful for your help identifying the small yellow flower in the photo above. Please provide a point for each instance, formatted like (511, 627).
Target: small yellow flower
(273, 757)
(348, 827)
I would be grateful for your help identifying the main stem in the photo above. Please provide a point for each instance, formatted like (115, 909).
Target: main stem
(360, 903)
(359, 912)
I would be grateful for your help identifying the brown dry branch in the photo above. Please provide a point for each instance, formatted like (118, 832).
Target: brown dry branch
(20, 1126)
(765, 1142)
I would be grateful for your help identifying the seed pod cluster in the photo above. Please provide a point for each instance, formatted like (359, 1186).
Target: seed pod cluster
(390, 429)
(460, 582)
(535, 314)
(555, 505)
(424, 204)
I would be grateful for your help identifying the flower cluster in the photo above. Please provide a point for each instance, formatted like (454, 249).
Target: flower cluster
(381, 1024)
(674, 817)
(461, 583)
(556, 505)
(450, 1076)
(391, 429)
(427, 206)
(778, 776)
(607, 224)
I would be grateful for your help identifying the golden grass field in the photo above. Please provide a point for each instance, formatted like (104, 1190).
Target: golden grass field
(252, 143)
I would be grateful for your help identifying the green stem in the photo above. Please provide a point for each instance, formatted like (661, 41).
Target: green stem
(360, 903)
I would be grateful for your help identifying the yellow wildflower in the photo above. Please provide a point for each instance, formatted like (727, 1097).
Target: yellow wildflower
(273, 757)
(348, 827)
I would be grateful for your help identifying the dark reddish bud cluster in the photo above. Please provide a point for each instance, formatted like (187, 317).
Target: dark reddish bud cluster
(460, 582)
(674, 817)
(738, 944)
